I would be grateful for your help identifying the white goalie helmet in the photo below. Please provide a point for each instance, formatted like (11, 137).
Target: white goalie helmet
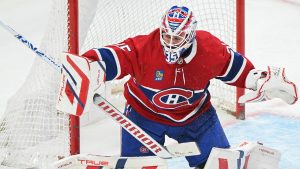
(177, 32)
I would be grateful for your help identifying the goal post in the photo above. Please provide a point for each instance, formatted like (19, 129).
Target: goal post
(34, 135)
(240, 47)
(73, 47)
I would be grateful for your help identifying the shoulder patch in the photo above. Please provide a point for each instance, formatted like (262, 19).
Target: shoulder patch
(159, 75)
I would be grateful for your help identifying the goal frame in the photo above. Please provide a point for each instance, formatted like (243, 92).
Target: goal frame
(240, 45)
(73, 47)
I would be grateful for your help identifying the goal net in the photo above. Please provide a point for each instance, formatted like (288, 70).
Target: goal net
(32, 133)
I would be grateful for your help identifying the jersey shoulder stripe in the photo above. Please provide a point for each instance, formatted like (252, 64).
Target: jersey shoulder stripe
(111, 60)
(234, 69)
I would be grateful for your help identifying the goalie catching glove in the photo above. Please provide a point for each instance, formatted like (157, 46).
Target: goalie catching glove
(80, 78)
(268, 85)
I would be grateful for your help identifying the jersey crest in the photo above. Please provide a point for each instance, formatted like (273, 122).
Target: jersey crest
(172, 98)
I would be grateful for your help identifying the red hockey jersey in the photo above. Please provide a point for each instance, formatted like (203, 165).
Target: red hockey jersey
(172, 94)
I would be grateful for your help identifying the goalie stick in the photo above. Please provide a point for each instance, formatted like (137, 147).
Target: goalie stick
(176, 150)
(50, 60)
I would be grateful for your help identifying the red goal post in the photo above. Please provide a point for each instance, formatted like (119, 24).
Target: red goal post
(34, 134)
(73, 47)
(240, 47)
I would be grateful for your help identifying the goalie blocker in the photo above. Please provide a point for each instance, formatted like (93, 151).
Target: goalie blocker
(80, 79)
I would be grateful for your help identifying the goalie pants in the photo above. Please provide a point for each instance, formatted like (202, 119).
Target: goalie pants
(206, 131)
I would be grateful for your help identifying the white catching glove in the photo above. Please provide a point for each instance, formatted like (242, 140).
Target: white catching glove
(268, 85)
(79, 80)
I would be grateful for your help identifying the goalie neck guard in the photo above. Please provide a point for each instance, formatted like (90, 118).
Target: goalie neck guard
(177, 32)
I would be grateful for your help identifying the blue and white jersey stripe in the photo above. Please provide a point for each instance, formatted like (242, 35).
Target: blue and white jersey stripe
(110, 57)
(235, 68)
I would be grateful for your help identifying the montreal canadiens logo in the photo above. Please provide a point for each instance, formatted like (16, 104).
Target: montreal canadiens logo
(172, 98)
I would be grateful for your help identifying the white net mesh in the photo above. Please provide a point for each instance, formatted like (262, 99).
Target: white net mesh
(32, 133)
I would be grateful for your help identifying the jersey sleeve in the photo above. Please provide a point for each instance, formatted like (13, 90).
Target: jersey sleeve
(119, 59)
(236, 67)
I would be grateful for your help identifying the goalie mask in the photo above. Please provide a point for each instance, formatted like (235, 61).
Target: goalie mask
(177, 32)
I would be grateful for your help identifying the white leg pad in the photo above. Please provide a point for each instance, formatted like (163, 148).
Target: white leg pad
(245, 156)
(84, 161)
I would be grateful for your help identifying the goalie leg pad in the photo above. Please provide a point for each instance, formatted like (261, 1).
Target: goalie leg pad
(247, 156)
(83, 161)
